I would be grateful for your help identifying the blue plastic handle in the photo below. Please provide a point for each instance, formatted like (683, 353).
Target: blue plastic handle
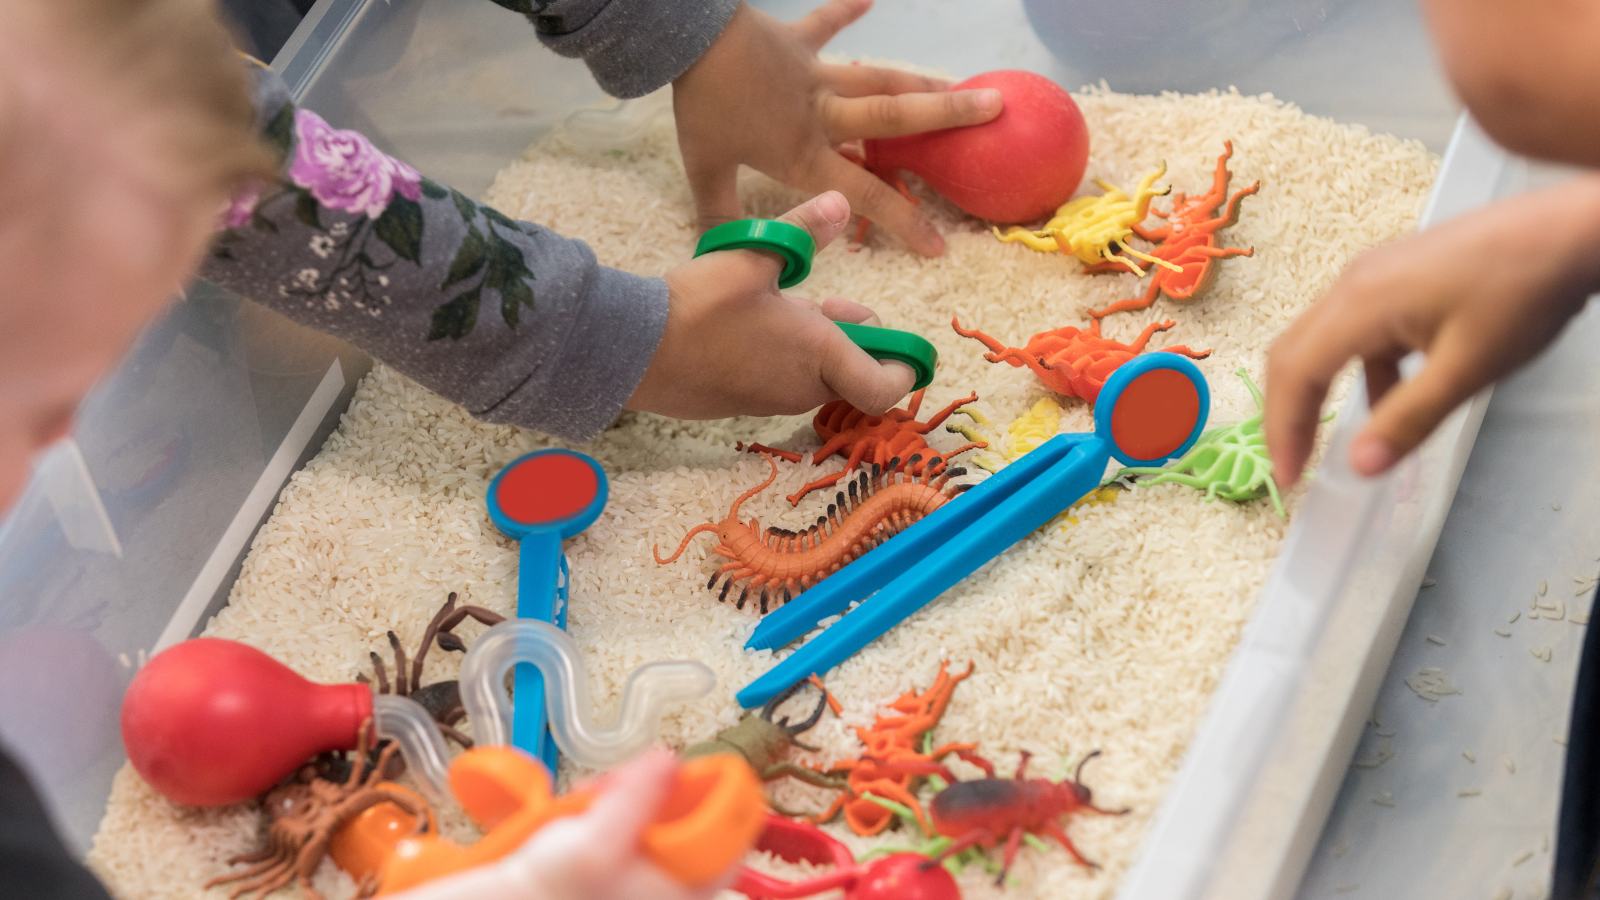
(1073, 465)
(834, 594)
(908, 572)
(542, 579)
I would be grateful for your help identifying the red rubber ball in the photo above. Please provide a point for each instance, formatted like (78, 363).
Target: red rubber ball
(1017, 167)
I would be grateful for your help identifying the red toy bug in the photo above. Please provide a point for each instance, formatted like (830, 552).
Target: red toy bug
(985, 811)
(900, 876)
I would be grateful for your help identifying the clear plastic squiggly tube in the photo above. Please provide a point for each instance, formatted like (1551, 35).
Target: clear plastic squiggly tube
(649, 690)
(404, 721)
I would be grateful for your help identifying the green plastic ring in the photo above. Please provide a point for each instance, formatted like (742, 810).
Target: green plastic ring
(795, 245)
(900, 346)
(791, 242)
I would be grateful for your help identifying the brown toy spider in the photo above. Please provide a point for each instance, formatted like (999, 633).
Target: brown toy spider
(304, 813)
(442, 699)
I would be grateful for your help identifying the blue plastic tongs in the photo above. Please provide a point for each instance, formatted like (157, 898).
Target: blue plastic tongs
(539, 499)
(1151, 409)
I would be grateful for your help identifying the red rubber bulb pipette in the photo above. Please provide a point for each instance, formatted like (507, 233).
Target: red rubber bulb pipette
(210, 722)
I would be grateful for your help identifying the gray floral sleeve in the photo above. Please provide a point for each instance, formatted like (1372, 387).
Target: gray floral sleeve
(515, 323)
(631, 47)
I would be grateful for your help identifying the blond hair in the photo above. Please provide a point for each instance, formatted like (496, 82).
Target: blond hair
(177, 59)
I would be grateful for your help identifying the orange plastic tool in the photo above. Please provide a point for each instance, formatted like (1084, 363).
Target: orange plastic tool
(367, 841)
(711, 818)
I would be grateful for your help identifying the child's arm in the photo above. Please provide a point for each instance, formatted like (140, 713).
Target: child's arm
(1480, 295)
(513, 321)
(1529, 71)
(749, 90)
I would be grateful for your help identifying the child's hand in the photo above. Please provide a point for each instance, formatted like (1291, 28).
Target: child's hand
(761, 98)
(1481, 295)
(734, 345)
(594, 856)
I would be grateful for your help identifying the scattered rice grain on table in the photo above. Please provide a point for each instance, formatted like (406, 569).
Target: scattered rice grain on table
(1109, 634)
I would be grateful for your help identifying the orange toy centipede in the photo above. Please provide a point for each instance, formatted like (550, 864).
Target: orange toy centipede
(890, 748)
(877, 506)
(1073, 362)
(893, 440)
(1188, 241)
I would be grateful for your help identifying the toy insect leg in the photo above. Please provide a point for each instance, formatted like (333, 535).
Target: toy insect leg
(984, 339)
(1148, 333)
(892, 791)
(906, 768)
(972, 838)
(1144, 301)
(802, 774)
(1053, 830)
(1021, 359)
(262, 860)
(265, 885)
(1013, 844)
(941, 415)
(1186, 350)
(785, 455)
(966, 753)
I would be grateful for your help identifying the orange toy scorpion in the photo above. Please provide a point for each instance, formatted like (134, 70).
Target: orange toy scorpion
(1188, 240)
(893, 441)
(880, 504)
(1074, 362)
(891, 764)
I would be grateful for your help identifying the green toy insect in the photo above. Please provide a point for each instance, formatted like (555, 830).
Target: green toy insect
(1229, 462)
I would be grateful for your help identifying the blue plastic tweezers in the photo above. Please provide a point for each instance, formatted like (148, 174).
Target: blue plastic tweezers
(907, 572)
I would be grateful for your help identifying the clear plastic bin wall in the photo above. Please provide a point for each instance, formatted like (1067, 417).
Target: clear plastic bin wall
(131, 534)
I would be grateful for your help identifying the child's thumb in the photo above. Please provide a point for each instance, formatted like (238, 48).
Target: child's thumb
(824, 217)
(861, 381)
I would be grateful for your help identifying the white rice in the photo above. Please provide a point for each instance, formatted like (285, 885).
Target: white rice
(1106, 634)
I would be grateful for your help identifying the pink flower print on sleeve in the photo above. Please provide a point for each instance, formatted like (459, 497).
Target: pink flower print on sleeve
(344, 171)
(241, 207)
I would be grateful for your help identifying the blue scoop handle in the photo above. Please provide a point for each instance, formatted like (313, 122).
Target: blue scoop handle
(879, 566)
(1072, 467)
(539, 570)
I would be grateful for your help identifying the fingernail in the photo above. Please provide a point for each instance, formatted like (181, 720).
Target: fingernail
(933, 243)
(987, 101)
(1371, 455)
(834, 207)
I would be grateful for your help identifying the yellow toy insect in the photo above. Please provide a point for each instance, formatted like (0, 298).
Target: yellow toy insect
(1096, 229)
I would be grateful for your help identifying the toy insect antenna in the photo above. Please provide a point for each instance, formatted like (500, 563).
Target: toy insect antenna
(733, 513)
(795, 729)
(1077, 774)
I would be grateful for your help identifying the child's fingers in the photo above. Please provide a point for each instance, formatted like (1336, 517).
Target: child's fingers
(1414, 408)
(632, 796)
(872, 198)
(842, 310)
(1382, 374)
(860, 380)
(715, 186)
(865, 81)
(819, 26)
(884, 116)
(824, 217)
(1300, 369)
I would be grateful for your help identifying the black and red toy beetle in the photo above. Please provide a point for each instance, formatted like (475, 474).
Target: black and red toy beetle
(985, 811)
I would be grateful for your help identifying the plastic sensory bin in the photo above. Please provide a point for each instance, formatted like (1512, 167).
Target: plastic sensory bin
(131, 533)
